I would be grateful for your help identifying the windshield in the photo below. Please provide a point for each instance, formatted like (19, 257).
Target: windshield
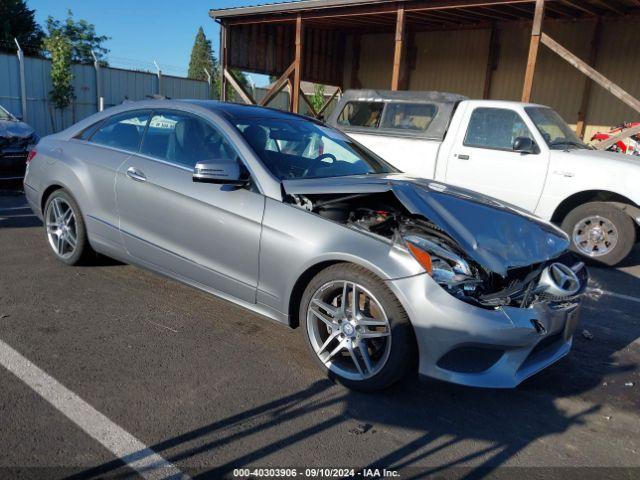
(303, 149)
(4, 115)
(555, 131)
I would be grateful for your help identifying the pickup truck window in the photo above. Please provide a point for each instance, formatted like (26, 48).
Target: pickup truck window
(495, 128)
(409, 116)
(554, 129)
(361, 114)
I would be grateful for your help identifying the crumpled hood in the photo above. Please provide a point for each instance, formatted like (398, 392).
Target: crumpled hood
(12, 128)
(498, 236)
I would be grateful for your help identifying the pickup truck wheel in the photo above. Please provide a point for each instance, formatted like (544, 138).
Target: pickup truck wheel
(356, 328)
(600, 232)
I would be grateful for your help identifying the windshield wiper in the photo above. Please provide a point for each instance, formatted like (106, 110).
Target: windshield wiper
(567, 143)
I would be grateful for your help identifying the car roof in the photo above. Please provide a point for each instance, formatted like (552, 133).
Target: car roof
(239, 111)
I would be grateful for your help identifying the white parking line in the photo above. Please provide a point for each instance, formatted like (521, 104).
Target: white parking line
(26, 207)
(614, 294)
(122, 444)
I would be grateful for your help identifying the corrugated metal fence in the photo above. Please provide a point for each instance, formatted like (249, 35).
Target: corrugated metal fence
(116, 85)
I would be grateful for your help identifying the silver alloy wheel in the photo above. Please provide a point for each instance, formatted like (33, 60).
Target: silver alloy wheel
(349, 330)
(61, 227)
(595, 236)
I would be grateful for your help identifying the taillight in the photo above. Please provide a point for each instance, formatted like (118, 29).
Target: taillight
(32, 153)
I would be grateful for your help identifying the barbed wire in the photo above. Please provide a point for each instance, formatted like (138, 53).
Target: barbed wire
(144, 65)
(112, 60)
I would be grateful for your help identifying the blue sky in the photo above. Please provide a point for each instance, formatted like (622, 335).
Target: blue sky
(142, 31)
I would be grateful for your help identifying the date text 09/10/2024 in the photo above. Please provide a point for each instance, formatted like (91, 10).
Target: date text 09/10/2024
(315, 473)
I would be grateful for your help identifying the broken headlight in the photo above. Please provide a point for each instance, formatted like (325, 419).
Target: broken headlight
(446, 267)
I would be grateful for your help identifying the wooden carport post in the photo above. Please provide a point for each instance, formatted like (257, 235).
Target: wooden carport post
(399, 46)
(534, 46)
(297, 71)
(224, 61)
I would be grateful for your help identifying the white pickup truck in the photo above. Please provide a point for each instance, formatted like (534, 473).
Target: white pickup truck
(523, 154)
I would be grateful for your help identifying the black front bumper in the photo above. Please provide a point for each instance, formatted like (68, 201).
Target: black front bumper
(13, 164)
(13, 157)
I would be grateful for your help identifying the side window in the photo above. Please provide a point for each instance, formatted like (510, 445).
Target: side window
(87, 132)
(185, 139)
(361, 114)
(495, 128)
(409, 116)
(122, 131)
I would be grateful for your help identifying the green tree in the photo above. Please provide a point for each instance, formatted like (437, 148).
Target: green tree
(18, 21)
(317, 99)
(82, 36)
(202, 59)
(60, 49)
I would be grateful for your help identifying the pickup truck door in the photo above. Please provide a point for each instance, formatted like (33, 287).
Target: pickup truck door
(482, 158)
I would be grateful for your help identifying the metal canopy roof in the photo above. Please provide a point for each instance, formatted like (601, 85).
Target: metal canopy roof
(289, 7)
(427, 13)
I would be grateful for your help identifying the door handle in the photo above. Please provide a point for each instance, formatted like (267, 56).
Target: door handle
(463, 157)
(136, 175)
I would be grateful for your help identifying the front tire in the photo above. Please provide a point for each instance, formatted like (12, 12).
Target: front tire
(600, 232)
(65, 229)
(366, 344)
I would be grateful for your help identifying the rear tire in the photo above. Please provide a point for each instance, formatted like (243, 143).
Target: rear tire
(65, 229)
(378, 343)
(600, 232)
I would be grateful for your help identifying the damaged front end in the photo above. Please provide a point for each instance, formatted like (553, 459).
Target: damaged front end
(479, 250)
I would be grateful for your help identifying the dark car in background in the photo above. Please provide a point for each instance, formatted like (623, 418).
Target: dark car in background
(16, 139)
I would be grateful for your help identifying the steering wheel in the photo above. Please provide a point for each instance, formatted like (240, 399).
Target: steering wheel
(316, 162)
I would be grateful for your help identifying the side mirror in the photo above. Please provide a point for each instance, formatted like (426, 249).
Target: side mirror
(524, 145)
(222, 173)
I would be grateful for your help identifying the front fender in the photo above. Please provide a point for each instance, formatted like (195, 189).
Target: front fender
(294, 240)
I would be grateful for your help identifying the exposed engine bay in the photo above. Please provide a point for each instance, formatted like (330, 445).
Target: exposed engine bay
(382, 215)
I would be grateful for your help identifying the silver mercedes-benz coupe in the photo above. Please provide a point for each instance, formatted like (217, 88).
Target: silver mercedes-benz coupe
(291, 219)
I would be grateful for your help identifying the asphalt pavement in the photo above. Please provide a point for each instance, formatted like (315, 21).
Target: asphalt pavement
(110, 358)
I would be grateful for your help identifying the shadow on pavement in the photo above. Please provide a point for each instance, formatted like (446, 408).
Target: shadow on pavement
(479, 416)
(498, 423)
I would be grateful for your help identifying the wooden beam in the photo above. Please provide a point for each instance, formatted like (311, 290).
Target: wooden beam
(492, 61)
(592, 73)
(399, 45)
(297, 71)
(224, 62)
(328, 102)
(608, 5)
(588, 83)
(277, 85)
(389, 8)
(578, 5)
(304, 98)
(615, 139)
(237, 86)
(534, 45)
